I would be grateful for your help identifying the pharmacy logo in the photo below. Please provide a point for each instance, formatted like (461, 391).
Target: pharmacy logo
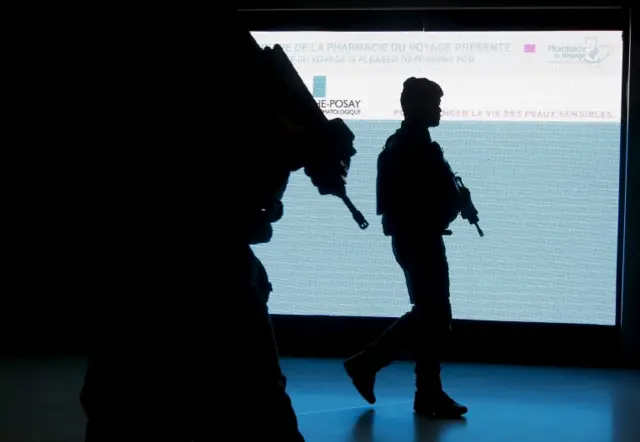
(590, 52)
(320, 86)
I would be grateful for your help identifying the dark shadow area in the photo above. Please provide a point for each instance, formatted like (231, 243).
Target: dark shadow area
(424, 429)
(441, 20)
(363, 427)
(315, 5)
(471, 341)
(624, 409)
(433, 430)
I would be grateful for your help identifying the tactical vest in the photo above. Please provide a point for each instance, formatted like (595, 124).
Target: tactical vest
(416, 190)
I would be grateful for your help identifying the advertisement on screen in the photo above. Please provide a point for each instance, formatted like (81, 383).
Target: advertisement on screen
(531, 120)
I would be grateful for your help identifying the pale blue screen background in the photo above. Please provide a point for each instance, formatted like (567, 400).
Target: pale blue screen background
(547, 195)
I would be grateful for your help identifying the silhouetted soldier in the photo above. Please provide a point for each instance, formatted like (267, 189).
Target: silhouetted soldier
(177, 238)
(418, 199)
(262, 385)
(281, 134)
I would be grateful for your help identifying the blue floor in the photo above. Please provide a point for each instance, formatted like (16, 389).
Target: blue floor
(39, 403)
(510, 404)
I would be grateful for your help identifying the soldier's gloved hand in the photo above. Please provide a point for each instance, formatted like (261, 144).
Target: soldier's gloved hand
(466, 209)
(469, 212)
(465, 194)
(330, 178)
(330, 158)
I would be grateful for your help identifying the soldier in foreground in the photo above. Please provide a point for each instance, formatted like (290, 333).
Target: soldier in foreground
(418, 197)
(292, 135)
(178, 239)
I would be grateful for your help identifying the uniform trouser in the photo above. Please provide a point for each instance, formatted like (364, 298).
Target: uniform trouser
(425, 328)
(263, 386)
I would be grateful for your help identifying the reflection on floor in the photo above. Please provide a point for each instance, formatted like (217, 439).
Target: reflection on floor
(510, 404)
(39, 403)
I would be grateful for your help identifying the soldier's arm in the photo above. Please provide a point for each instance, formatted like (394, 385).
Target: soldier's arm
(381, 196)
(385, 185)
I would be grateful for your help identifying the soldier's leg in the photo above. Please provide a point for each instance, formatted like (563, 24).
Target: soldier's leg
(269, 411)
(430, 279)
(425, 267)
(432, 333)
(362, 367)
(264, 286)
(264, 384)
(384, 349)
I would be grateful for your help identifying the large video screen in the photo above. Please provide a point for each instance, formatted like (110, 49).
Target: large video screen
(530, 121)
